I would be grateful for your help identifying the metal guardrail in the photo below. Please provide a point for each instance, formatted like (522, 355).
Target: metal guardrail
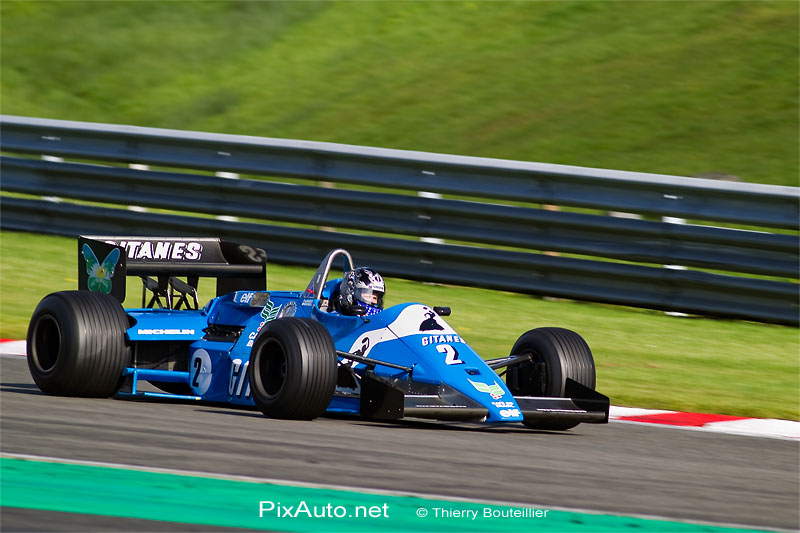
(652, 194)
(477, 223)
(631, 240)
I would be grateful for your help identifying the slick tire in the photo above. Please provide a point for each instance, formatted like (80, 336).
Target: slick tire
(293, 368)
(76, 344)
(556, 354)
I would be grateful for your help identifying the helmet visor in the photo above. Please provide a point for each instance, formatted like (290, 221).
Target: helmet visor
(370, 297)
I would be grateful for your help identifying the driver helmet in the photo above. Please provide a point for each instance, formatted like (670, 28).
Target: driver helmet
(362, 286)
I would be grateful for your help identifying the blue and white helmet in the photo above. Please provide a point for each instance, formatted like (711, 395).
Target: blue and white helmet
(364, 287)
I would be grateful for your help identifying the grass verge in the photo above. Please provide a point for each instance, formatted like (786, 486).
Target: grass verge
(643, 358)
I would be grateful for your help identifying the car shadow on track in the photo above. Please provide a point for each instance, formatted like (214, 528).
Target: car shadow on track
(457, 426)
(416, 424)
(21, 388)
(248, 411)
(236, 410)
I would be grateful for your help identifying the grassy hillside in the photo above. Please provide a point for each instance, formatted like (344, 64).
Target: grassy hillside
(671, 87)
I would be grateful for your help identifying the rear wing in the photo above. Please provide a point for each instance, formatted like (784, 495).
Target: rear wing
(104, 263)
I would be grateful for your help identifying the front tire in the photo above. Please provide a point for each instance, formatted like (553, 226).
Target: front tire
(76, 344)
(293, 369)
(556, 354)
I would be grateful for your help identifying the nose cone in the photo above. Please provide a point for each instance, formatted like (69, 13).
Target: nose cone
(445, 356)
(459, 366)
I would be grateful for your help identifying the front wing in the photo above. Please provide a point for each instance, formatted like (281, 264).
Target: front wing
(398, 398)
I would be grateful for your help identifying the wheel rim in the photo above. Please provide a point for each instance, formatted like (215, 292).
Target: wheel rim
(273, 369)
(46, 343)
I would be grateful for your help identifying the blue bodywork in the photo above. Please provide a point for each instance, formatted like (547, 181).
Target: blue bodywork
(410, 335)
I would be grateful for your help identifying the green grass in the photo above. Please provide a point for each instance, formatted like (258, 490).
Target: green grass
(644, 358)
(668, 87)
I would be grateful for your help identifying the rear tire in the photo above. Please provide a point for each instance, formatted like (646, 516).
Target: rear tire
(293, 369)
(76, 344)
(556, 354)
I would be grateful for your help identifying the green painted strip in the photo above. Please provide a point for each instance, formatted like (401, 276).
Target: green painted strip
(107, 491)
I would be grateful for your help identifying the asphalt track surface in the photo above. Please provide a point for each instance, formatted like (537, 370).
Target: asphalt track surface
(616, 468)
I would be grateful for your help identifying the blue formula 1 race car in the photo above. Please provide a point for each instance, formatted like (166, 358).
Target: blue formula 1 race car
(295, 355)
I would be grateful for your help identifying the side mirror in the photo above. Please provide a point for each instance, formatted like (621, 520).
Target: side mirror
(442, 311)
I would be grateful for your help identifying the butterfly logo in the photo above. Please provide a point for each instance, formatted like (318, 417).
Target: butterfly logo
(100, 274)
(494, 389)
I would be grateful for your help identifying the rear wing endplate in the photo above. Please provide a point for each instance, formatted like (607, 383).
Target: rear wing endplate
(104, 262)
